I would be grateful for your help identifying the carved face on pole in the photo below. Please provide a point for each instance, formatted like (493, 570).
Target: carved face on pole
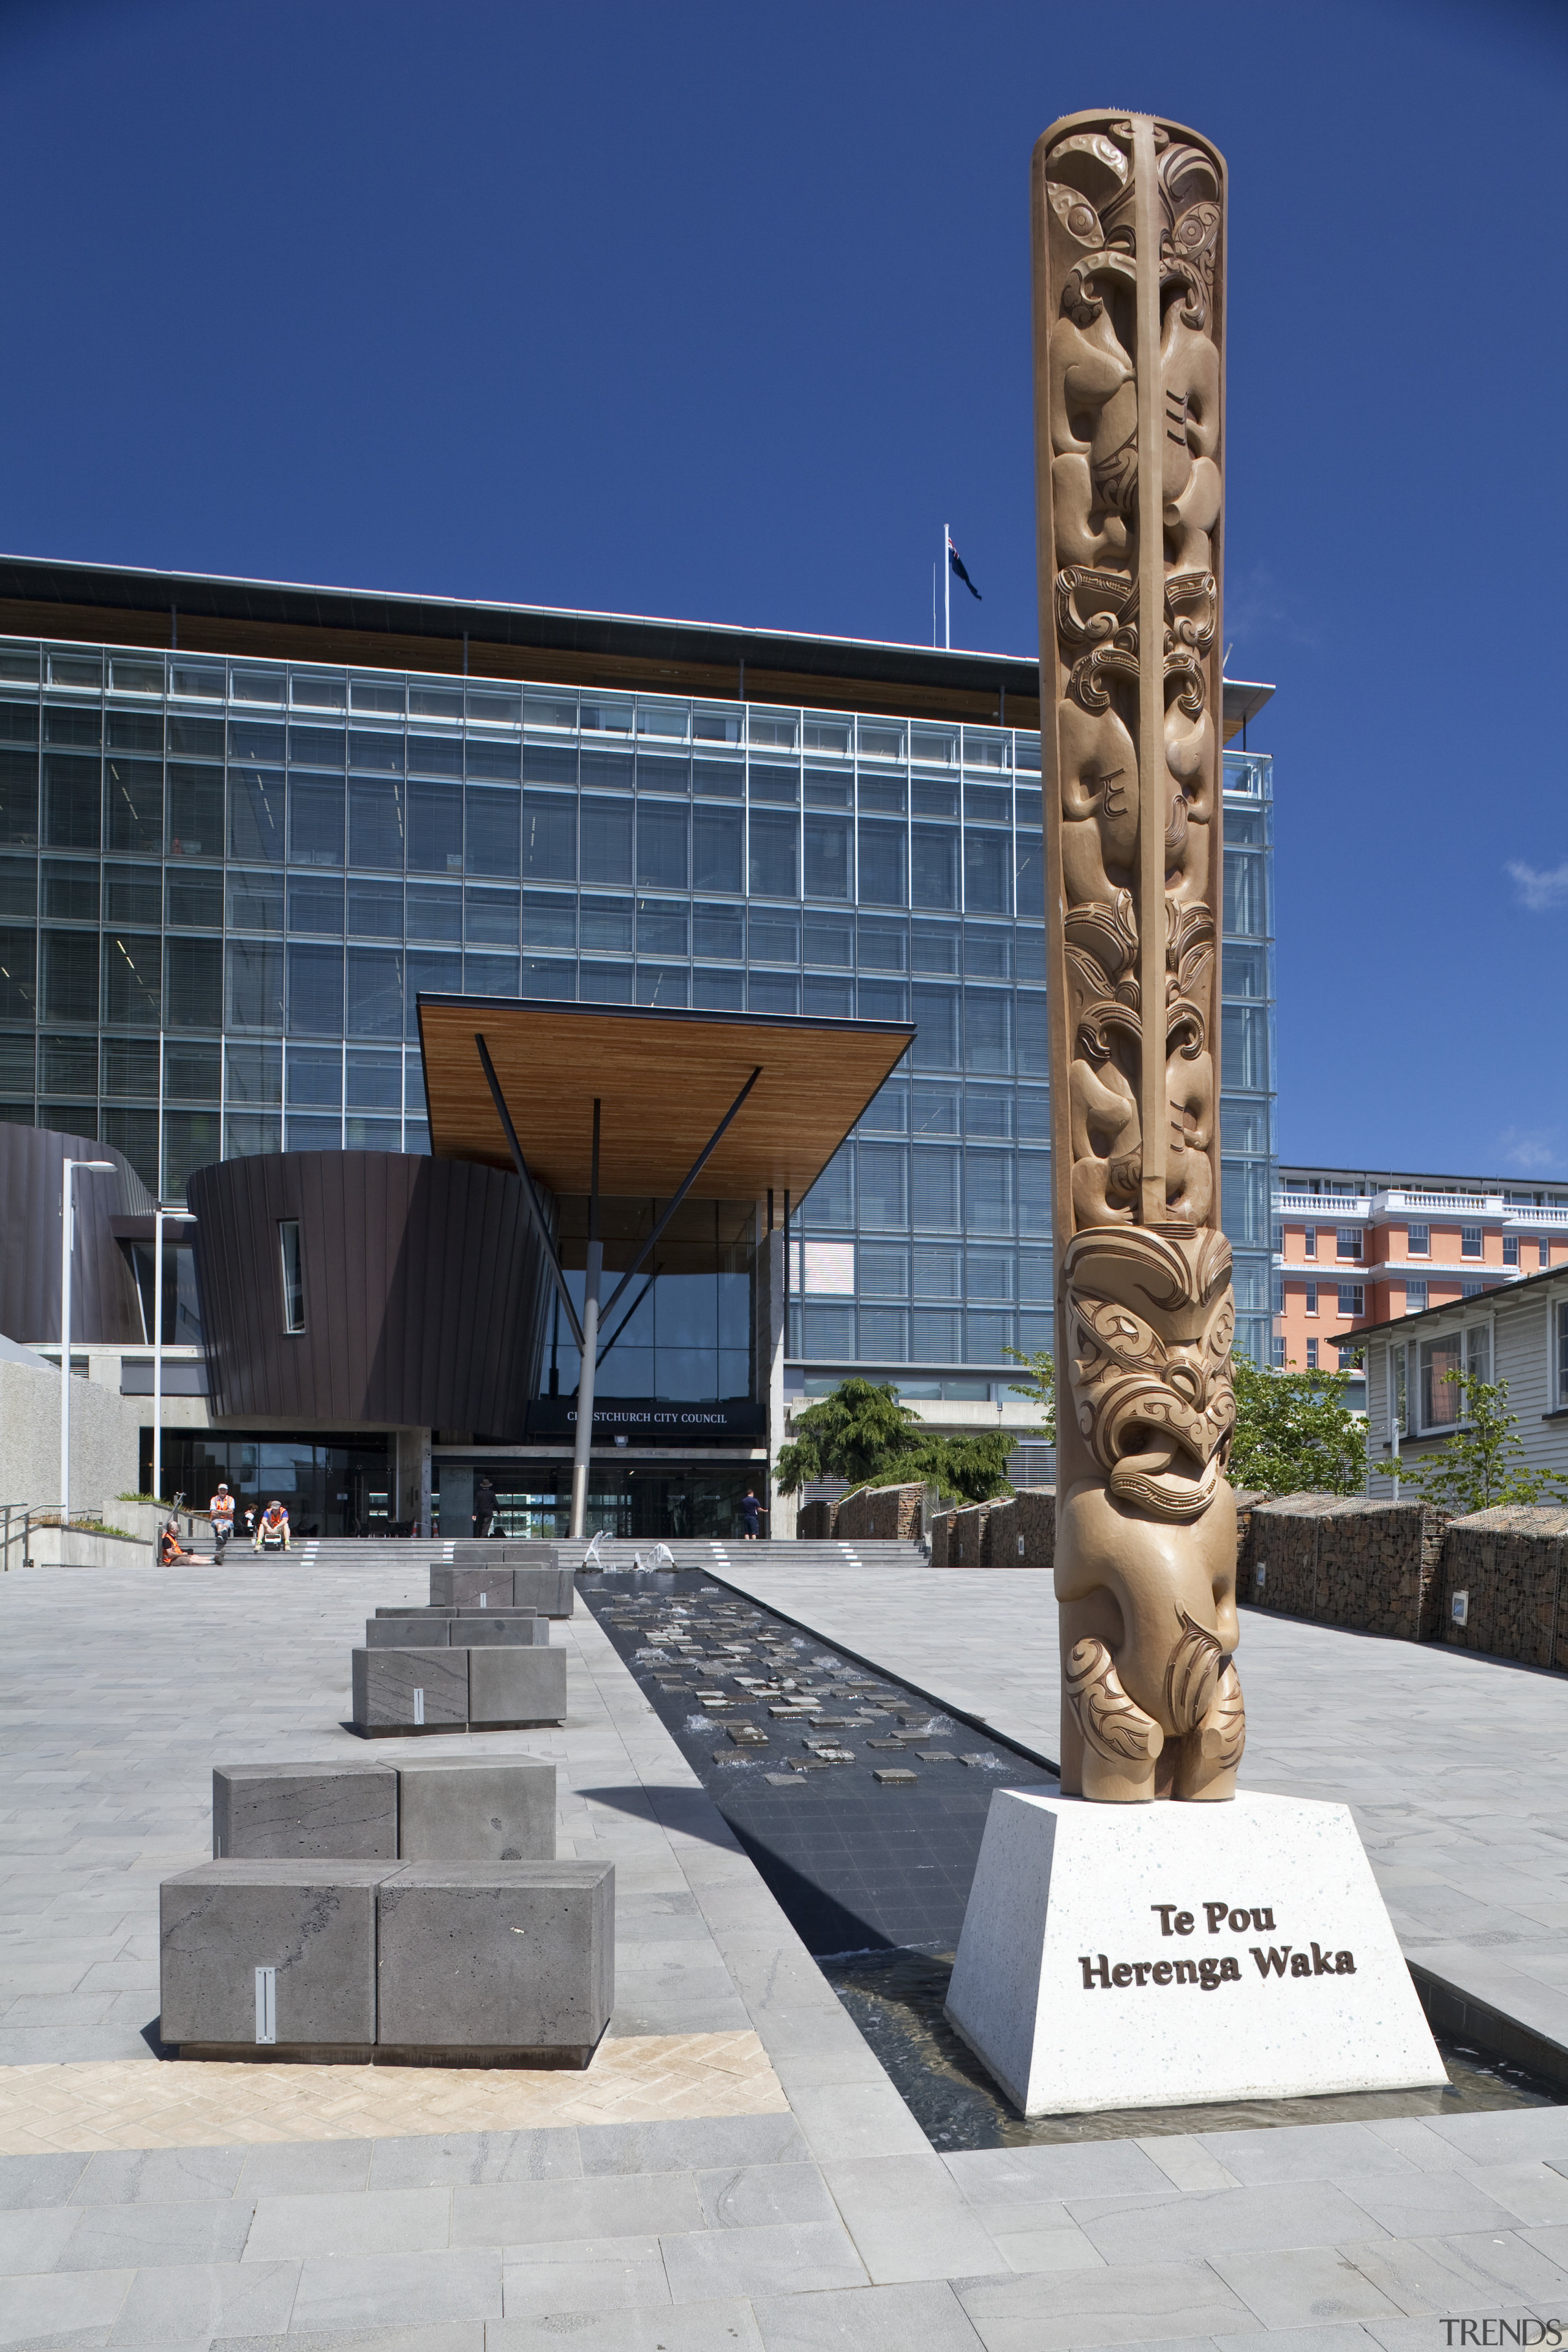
(1129, 229)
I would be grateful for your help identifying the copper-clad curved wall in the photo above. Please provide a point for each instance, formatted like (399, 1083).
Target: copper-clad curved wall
(104, 1304)
(424, 1290)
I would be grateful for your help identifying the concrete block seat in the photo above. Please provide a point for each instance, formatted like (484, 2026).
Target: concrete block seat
(449, 1586)
(437, 1809)
(270, 1959)
(488, 1963)
(484, 1808)
(436, 1630)
(512, 1687)
(403, 1691)
(506, 1552)
(462, 1963)
(493, 1628)
(549, 1589)
(287, 1813)
(488, 1685)
(432, 1609)
(389, 1633)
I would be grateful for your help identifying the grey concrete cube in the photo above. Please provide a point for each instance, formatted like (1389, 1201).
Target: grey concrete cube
(486, 1551)
(551, 1590)
(488, 1607)
(313, 1925)
(524, 1553)
(459, 1584)
(491, 1808)
(513, 1958)
(515, 1686)
(283, 1813)
(495, 1628)
(419, 1608)
(408, 1633)
(411, 1690)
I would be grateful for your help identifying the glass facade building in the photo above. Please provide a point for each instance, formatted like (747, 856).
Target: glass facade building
(223, 883)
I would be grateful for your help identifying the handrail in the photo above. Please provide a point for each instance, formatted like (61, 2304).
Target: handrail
(18, 1521)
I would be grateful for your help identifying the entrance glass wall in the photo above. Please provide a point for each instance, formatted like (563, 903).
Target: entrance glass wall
(683, 1334)
(634, 1499)
(329, 1486)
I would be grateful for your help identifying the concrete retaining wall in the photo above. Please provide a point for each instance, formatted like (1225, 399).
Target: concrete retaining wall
(76, 1547)
(105, 1436)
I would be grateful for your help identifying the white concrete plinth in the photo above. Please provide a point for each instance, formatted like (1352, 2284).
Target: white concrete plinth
(1168, 1955)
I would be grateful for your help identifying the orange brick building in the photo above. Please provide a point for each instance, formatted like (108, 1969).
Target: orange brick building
(1354, 1248)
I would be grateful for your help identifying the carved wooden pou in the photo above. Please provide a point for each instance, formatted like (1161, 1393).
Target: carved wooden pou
(1129, 261)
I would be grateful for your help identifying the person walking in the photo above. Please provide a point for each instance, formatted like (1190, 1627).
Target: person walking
(221, 1512)
(751, 1516)
(484, 1503)
(272, 1530)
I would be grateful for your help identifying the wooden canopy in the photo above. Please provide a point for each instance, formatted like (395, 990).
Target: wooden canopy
(663, 1080)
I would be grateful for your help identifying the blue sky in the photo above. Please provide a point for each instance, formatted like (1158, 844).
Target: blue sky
(723, 313)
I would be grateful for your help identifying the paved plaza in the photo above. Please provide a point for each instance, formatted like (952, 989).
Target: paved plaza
(735, 2170)
(1454, 1765)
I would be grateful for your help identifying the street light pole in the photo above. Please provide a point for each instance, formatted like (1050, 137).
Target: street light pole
(68, 1236)
(158, 1352)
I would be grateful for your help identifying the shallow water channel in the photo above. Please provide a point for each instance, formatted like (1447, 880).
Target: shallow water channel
(863, 1805)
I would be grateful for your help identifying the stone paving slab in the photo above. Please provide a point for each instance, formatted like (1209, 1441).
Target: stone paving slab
(1454, 1765)
(118, 2104)
(827, 2221)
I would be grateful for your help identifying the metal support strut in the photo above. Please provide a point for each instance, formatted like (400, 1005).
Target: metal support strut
(582, 1443)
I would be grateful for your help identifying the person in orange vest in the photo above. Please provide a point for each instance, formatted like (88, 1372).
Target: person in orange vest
(272, 1530)
(221, 1512)
(170, 1548)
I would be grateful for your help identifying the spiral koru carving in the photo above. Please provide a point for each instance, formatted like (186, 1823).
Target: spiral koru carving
(1128, 228)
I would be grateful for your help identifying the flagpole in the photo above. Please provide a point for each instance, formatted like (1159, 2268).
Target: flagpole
(947, 586)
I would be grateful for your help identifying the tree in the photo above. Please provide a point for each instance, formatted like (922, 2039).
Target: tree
(1483, 1463)
(862, 1433)
(1295, 1433)
(1040, 1388)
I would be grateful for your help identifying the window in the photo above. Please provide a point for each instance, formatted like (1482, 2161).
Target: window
(1416, 1299)
(1510, 1249)
(1309, 1241)
(1418, 1240)
(1471, 1289)
(1348, 1244)
(1562, 1353)
(1278, 1294)
(1440, 1360)
(293, 1274)
(1353, 1298)
(1398, 1395)
(1277, 1349)
(1311, 1355)
(1469, 1241)
(1478, 1351)
(1278, 1240)
(1312, 1298)
(1544, 1251)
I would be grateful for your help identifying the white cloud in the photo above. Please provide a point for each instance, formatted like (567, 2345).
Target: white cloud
(1529, 1149)
(1540, 886)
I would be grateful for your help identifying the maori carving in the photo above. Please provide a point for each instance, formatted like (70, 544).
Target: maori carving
(1129, 226)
